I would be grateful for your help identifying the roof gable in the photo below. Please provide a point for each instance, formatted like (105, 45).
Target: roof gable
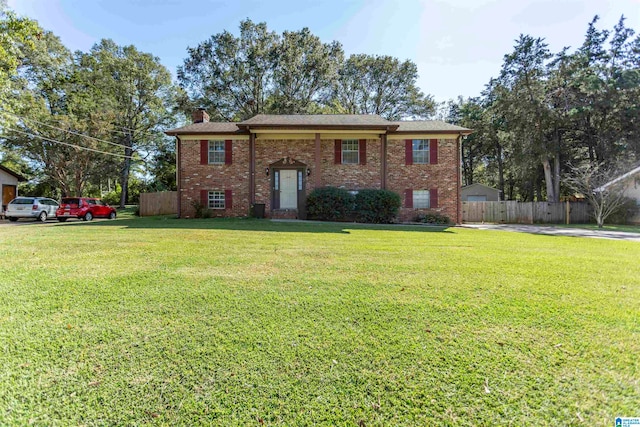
(622, 177)
(466, 187)
(12, 173)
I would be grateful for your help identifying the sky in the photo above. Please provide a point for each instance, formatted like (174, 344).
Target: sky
(458, 45)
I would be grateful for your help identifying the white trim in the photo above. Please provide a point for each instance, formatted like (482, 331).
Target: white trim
(402, 137)
(213, 136)
(312, 136)
(321, 131)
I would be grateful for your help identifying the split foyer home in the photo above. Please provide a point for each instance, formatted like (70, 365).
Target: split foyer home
(275, 161)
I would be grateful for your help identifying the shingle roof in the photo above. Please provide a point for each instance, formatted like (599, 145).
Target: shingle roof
(207, 127)
(429, 126)
(319, 121)
(316, 120)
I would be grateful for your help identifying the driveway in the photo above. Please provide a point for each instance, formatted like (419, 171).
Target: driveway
(558, 231)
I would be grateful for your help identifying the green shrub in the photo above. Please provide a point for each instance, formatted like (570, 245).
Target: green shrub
(625, 211)
(433, 219)
(377, 206)
(201, 210)
(112, 198)
(329, 204)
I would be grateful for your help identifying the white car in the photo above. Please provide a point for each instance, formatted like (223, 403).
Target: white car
(39, 208)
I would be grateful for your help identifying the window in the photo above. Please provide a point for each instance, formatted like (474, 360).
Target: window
(420, 151)
(22, 202)
(421, 199)
(216, 200)
(70, 201)
(216, 152)
(350, 151)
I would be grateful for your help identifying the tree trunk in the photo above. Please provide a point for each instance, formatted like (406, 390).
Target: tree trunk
(500, 170)
(548, 179)
(77, 182)
(124, 175)
(556, 176)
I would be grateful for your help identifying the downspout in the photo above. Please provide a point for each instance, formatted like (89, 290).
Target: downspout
(383, 161)
(317, 174)
(252, 169)
(459, 180)
(178, 175)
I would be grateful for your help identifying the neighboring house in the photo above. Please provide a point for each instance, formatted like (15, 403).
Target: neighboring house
(276, 160)
(479, 193)
(631, 181)
(9, 186)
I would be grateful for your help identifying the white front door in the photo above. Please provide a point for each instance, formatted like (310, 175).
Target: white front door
(288, 189)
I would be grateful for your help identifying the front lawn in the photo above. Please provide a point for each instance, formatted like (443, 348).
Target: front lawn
(249, 322)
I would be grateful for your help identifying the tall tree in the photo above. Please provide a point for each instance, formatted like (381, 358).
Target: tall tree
(230, 76)
(17, 38)
(523, 75)
(381, 85)
(137, 93)
(53, 118)
(261, 72)
(304, 69)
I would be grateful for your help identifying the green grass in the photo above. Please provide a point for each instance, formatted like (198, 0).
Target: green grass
(162, 321)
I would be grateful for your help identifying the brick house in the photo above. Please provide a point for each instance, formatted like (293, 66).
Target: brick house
(276, 160)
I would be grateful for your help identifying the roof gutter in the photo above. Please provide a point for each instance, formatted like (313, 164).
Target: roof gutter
(178, 177)
(466, 132)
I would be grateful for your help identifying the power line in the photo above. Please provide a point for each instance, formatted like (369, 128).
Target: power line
(146, 132)
(68, 131)
(83, 135)
(70, 145)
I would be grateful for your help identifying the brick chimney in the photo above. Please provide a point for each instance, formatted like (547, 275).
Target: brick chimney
(200, 116)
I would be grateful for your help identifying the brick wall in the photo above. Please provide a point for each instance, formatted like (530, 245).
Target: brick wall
(235, 177)
(195, 177)
(351, 177)
(442, 176)
(269, 151)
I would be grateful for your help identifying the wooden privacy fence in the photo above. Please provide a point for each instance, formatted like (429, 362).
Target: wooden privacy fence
(526, 212)
(162, 203)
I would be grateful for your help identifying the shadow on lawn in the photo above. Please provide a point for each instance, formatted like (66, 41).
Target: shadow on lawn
(250, 224)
